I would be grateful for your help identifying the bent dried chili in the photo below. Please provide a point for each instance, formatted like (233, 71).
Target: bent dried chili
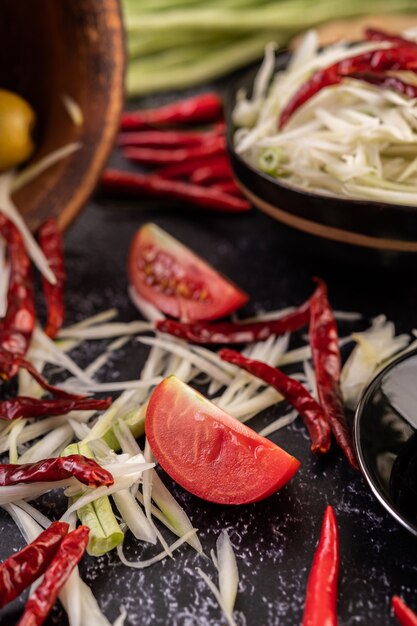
(17, 326)
(294, 392)
(87, 471)
(236, 332)
(23, 406)
(21, 569)
(324, 343)
(51, 244)
(66, 558)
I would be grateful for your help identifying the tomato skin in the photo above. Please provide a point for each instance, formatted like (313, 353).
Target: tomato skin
(210, 453)
(178, 282)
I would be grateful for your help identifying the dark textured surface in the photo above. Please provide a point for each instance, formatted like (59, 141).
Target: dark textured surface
(275, 539)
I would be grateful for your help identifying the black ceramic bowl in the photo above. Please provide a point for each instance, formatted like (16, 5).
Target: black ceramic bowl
(369, 224)
(385, 437)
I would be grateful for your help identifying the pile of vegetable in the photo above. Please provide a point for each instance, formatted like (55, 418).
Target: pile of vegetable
(188, 164)
(338, 121)
(174, 44)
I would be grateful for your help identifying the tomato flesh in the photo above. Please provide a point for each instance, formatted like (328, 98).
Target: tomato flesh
(210, 453)
(178, 282)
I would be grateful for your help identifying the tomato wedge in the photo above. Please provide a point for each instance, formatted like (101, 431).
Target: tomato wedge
(210, 453)
(178, 282)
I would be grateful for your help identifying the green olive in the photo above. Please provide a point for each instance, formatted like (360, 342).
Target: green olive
(17, 119)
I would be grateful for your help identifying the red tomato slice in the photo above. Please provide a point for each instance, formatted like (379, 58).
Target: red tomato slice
(177, 281)
(210, 453)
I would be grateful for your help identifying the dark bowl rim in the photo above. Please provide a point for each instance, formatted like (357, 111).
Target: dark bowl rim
(367, 474)
(282, 59)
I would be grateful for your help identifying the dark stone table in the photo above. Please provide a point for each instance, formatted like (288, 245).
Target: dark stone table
(275, 539)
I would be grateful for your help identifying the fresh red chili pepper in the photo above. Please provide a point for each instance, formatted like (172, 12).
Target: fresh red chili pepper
(22, 568)
(185, 169)
(156, 186)
(375, 34)
(228, 186)
(155, 156)
(166, 138)
(87, 471)
(293, 391)
(201, 109)
(219, 170)
(17, 326)
(22, 406)
(398, 58)
(66, 558)
(403, 613)
(386, 82)
(10, 364)
(321, 597)
(50, 242)
(236, 332)
(324, 343)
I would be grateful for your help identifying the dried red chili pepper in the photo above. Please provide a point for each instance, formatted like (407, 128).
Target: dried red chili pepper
(166, 138)
(10, 364)
(22, 568)
(375, 34)
(22, 406)
(201, 109)
(51, 244)
(398, 58)
(185, 169)
(228, 186)
(17, 326)
(321, 597)
(85, 470)
(66, 558)
(385, 81)
(219, 170)
(156, 186)
(233, 332)
(155, 156)
(403, 613)
(324, 343)
(293, 391)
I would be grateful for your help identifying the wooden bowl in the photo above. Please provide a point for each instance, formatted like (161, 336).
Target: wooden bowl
(51, 48)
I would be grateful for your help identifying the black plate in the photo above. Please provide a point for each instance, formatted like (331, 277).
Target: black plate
(365, 223)
(386, 439)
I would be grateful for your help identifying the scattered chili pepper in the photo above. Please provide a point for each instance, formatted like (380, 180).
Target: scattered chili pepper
(166, 138)
(397, 58)
(87, 471)
(185, 169)
(403, 613)
(156, 186)
(228, 186)
(236, 332)
(324, 343)
(219, 170)
(17, 326)
(321, 597)
(22, 568)
(66, 558)
(201, 109)
(293, 391)
(50, 242)
(375, 34)
(386, 82)
(155, 156)
(10, 364)
(22, 406)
